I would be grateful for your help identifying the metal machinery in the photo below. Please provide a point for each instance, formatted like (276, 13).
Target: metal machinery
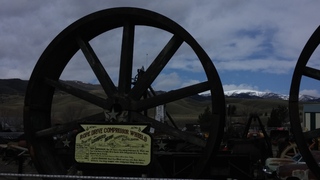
(302, 70)
(118, 98)
(266, 150)
(133, 98)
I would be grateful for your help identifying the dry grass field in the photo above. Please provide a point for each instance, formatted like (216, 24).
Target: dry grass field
(66, 107)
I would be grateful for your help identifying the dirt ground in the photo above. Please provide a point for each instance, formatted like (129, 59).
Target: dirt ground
(13, 167)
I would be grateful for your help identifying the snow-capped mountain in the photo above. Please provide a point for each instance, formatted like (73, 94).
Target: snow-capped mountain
(309, 98)
(18, 86)
(253, 94)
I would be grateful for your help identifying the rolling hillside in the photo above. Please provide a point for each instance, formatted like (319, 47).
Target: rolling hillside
(66, 107)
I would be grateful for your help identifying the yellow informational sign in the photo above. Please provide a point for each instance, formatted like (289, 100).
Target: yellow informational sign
(113, 144)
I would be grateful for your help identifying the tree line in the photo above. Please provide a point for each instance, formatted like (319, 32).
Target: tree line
(279, 116)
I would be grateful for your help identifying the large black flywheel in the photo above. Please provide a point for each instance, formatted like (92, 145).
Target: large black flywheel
(302, 70)
(125, 96)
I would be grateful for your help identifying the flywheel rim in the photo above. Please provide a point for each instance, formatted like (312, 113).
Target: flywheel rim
(45, 77)
(300, 70)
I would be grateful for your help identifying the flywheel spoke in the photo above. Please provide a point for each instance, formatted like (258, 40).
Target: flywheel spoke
(79, 93)
(312, 73)
(171, 96)
(125, 73)
(301, 69)
(123, 101)
(69, 126)
(97, 67)
(156, 67)
(169, 130)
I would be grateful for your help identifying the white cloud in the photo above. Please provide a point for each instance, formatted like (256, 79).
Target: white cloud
(190, 82)
(189, 65)
(248, 36)
(229, 87)
(310, 92)
(263, 65)
(167, 82)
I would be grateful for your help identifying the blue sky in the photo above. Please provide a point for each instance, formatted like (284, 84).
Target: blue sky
(253, 44)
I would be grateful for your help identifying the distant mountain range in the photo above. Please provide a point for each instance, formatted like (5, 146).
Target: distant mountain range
(268, 95)
(253, 94)
(18, 86)
(13, 86)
